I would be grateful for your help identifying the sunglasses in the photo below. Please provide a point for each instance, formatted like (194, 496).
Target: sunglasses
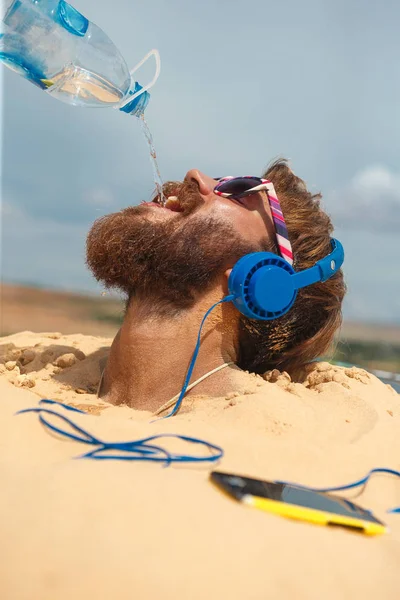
(240, 187)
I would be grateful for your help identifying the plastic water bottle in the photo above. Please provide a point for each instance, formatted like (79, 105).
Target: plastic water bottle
(55, 47)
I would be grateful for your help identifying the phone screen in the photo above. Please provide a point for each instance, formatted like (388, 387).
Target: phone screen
(239, 487)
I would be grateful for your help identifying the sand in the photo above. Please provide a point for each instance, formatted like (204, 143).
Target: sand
(81, 529)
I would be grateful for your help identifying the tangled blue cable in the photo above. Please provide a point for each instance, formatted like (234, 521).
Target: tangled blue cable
(359, 482)
(142, 449)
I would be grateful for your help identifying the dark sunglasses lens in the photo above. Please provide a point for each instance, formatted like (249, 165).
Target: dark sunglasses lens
(238, 186)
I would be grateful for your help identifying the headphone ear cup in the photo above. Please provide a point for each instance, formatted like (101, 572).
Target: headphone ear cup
(262, 286)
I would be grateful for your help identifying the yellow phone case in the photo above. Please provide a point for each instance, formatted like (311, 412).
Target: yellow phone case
(312, 515)
(294, 502)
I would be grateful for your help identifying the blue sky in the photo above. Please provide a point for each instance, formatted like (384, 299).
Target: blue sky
(241, 83)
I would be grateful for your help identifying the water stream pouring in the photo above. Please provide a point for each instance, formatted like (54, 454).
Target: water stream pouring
(55, 47)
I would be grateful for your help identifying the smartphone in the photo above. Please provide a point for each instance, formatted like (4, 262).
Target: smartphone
(294, 502)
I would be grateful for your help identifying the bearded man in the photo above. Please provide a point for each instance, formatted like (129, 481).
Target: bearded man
(173, 261)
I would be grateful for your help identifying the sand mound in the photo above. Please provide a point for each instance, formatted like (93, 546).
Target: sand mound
(74, 528)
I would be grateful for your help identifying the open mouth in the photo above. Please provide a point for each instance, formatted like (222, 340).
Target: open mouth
(172, 203)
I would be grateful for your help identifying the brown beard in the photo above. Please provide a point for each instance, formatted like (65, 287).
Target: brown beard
(170, 262)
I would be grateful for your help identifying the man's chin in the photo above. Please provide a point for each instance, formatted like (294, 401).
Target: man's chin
(170, 258)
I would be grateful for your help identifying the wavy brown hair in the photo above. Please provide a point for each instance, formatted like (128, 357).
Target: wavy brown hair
(307, 330)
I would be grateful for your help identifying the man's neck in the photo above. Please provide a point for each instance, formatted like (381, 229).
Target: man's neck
(150, 355)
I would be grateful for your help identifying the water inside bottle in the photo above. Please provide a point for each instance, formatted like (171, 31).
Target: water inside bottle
(81, 87)
(153, 158)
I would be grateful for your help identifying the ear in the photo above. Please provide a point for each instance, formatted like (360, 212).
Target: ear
(226, 277)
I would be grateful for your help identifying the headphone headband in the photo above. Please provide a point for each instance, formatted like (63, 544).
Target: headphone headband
(324, 269)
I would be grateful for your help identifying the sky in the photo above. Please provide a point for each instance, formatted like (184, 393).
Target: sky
(241, 83)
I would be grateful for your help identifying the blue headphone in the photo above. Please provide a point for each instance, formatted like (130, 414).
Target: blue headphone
(264, 286)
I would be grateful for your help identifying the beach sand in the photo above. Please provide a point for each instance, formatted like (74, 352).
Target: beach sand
(81, 529)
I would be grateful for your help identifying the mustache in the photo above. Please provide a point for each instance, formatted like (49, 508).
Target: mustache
(186, 192)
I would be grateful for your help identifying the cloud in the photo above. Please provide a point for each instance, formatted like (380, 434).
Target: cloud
(43, 251)
(371, 201)
(11, 211)
(371, 273)
(99, 197)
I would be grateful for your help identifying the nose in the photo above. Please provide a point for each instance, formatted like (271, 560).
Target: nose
(206, 184)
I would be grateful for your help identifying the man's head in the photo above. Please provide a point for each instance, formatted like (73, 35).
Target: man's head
(170, 257)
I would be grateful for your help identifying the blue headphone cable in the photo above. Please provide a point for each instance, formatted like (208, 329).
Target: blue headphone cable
(141, 449)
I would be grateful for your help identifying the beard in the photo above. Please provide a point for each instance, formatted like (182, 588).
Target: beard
(169, 261)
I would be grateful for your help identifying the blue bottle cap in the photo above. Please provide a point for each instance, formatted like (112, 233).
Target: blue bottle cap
(138, 104)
